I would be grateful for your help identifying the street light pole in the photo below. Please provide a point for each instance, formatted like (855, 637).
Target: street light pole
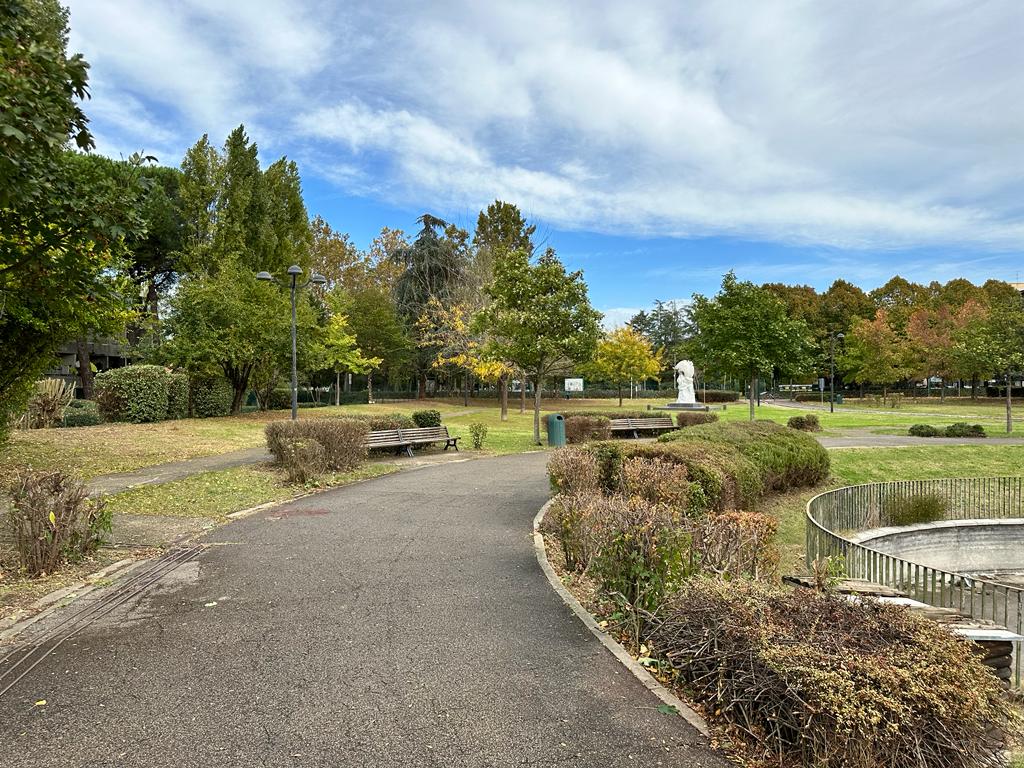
(315, 279)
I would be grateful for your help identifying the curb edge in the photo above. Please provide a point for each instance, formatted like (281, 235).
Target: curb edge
(646, 678)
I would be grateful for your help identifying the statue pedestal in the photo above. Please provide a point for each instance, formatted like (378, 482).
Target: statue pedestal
(683, 407)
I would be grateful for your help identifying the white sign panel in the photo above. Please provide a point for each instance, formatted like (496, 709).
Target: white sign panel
(574, 385)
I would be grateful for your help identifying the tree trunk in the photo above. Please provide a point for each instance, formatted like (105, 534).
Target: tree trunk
(1009, 402)
(337, 388)
(974, 387)
(465, 391)
(421, 386)
(503, 394)
(522, 395)
(536, 411)
(753, 388)
(84, 356)
(620, 394)
(369, 387)
(348, 382)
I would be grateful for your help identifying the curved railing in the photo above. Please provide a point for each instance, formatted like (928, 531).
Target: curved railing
(833, 515)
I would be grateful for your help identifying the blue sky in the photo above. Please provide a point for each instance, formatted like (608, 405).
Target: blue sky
(655, 147)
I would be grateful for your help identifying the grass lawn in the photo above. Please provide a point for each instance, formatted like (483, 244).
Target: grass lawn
(218, 494)
(851, 466)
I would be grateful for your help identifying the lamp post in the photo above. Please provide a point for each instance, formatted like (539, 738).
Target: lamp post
(316, 279)
(832, 371)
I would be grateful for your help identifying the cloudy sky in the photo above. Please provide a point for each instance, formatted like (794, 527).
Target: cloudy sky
(657, 145)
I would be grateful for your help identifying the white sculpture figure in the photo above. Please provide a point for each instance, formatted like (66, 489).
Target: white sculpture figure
(684, 383)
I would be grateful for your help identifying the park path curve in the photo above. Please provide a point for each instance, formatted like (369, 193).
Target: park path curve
(402, 621)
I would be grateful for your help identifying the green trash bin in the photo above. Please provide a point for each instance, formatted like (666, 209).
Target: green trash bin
(839, 398)
(556, 430)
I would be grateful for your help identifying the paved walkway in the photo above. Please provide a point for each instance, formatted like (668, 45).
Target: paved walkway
(864, 439)
(398, 622)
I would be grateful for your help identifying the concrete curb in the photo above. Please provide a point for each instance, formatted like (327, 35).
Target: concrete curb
(620, 653)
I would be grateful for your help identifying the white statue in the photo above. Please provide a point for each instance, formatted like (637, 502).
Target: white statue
(684, 383)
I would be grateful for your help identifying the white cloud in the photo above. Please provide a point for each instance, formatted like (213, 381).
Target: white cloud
(861, 125)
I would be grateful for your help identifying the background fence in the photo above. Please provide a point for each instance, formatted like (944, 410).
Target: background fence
(833, 514)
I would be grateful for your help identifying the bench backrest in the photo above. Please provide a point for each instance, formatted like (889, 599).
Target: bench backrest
(658, 422)
(425, 433)
(384, 437)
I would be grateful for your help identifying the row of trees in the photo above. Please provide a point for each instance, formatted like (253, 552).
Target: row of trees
(900, 332)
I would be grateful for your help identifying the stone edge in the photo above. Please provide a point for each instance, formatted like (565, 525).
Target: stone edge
(616, 648)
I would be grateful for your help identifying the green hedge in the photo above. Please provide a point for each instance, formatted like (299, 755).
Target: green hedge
(135, 393)
(428, 418)
(82, 413)
(723, 478)
(177, 396)
(209, 397)
(381, 421)
(786, 457)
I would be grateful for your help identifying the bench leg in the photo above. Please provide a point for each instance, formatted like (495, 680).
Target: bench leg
(408, 450)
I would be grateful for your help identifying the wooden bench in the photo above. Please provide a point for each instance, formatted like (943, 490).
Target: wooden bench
(404, 439)
(635, 426)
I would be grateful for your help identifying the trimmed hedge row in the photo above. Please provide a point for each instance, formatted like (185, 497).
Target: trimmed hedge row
(959, 429)
(343, 443)
(135, 393)
(209, 397)
(82, 413)
(430, 418)
(787, 458)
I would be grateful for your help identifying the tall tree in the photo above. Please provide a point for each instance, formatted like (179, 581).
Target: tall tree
(341, 352)
(667, 326)
(500, 229)
(1001, 341)
(899, 298)
(876, 353)
(379, 331)
(63, 226)
(434, 266)
(625, 355)
(539, 318)
(745, 330)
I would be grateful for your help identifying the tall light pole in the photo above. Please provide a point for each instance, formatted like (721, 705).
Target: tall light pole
(316, 279)
(832, 371)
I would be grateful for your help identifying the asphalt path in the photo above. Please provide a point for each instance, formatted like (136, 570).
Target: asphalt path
(398, 622)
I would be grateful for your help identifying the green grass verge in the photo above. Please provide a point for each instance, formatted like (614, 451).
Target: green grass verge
(851, 466)
(218, 494)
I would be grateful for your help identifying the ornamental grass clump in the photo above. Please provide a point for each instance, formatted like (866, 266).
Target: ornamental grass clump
(51, 520)
(816, 679)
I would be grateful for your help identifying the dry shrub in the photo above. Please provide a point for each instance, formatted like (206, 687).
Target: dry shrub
(657, 482)
(52, 520)
(916, 508)
(573, 470)
(736, 544)
(817, 679)
(343, 440)
(808, 423)
(722, 477)
(684, 419)
(578, 520)
(303, 459)
(582, 429)
(641, 558)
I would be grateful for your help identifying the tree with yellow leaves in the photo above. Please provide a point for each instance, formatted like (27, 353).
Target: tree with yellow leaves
(625, 355)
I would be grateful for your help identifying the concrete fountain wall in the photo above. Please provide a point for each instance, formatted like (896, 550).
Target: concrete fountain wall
(960, 546)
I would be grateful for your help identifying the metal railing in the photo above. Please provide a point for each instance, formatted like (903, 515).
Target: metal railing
(855, 508)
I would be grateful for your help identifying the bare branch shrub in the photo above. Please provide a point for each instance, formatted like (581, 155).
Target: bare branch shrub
(582, 429)
(812, 678)
(343, 440)
(303, 459)
(574, 470)
(657, 482)
(736, 544)
(579, 520)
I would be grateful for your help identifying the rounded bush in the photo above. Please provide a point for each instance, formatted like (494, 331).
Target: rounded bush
(135, 393)
(924, 430)
(429, 418)
(808, 423)
(209, 397)
(965, 430)
(685, 419)
(82, 413)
